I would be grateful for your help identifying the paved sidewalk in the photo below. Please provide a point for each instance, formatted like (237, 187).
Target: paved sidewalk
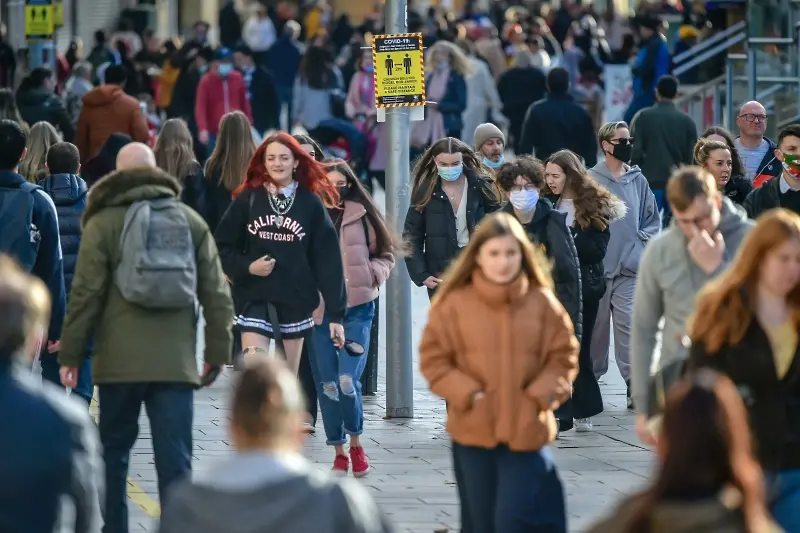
(412, 477)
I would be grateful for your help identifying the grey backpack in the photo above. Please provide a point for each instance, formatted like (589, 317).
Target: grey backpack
(157, 267)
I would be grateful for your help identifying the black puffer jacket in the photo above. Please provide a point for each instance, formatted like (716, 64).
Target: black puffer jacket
(548, 229)
(432, 232)
(69, 194)
(737, 189)
(40, 104)
(217, 199)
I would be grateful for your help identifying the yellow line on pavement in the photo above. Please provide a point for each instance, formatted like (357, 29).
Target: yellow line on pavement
(135, 492)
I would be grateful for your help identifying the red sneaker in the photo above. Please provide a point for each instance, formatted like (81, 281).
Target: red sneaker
(360, 464)
(341, 465)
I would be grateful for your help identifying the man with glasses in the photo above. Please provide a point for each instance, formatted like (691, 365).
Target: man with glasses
(784, 191)
(755, 150)
(629, 235)
(708, 230)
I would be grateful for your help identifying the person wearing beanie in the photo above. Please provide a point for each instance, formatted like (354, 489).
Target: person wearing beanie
(490, 143)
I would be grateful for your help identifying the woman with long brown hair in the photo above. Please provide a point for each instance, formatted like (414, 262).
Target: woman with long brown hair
(175, 155)
(590, 209)
(501, 350)
(368, 255)
(449, 197)
(746, 325)
(708, 479)
(226, 168)
(280, 250)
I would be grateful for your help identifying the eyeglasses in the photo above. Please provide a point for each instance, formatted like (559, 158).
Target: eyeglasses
(529, 187)
(624, 141)
(752, 117)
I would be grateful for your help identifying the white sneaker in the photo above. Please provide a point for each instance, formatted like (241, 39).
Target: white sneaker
(583, 425)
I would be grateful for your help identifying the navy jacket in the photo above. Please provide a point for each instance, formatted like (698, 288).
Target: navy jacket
(558, 123)
(49, 264)
(68, 193)
(283, 61)
(453, 104)
(51, 453)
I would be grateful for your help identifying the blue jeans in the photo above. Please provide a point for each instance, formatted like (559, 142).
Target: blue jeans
(785, 499)
(339, 373)
(170, 409)
(510, 492)
(50, 367)
(286, 98)
(663, 206)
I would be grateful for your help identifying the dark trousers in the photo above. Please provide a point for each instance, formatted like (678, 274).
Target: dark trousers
(286, 98)
(170, 409)
(510, 492)
(586, 400)
(306, 378)
(50, 368)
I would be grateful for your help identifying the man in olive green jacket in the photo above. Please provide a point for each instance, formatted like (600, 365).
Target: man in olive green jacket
(141, 355)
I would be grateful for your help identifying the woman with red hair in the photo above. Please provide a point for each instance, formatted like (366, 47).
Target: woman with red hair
(280, 249)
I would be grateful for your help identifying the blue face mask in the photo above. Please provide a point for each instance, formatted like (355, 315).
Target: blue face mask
(450, 173)
(225, 69)
(369, 68)
(203, 69)
(442, 65)
(491, 164)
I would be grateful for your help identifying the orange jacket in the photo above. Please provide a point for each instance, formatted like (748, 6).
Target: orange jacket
(515, 343)
(106, 110)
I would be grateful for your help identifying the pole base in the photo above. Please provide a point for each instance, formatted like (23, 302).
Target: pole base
(399, 412)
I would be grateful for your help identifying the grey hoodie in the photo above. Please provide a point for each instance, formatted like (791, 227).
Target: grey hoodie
(667, 285)
(258, 492)
(641, 222)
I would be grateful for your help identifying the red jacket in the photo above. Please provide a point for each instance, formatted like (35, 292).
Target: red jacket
(216, 96)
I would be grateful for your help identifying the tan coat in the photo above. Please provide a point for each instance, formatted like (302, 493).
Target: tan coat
(513, 342)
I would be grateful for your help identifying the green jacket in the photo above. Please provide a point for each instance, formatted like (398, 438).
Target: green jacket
(131, 343)
(664, 140)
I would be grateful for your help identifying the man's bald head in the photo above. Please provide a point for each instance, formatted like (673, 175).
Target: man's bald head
(135, 155)
(752, 122)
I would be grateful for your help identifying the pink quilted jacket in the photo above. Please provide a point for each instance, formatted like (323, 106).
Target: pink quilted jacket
(363, 275)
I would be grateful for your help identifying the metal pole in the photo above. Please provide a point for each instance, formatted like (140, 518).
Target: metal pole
(752, 70)
(730, 118)
(399, 359)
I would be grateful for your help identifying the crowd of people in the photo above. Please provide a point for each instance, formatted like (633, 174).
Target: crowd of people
(127, 240)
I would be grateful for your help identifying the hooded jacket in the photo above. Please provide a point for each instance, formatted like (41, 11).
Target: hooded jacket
(131, 343)
(257, 492)
(641, 222)
(709, 515)
(106, 110)
(49, 263)
(51, 456)
(666, 287)
(40, 104)
(68, 193)
(548, 229)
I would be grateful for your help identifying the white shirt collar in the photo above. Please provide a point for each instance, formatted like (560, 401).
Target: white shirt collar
(784, 185)
(285, 191)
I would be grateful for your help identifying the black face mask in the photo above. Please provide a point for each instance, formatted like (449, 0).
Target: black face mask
(622, 152)
(344, 191)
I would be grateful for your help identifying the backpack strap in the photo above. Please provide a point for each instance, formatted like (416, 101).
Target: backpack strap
(272, 313)
(246, 247)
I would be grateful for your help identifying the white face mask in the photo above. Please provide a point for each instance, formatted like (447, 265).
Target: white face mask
(524, 201)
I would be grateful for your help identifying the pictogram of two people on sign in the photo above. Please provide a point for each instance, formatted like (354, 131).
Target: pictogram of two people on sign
(389, 63)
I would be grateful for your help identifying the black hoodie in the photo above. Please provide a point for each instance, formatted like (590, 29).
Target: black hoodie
(303, 242)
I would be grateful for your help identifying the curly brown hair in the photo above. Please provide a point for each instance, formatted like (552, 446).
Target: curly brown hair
(526, 166)
(593, 202)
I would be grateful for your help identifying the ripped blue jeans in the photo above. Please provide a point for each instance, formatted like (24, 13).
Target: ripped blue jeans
(338, 374)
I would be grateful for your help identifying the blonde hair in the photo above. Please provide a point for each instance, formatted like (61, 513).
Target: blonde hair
(704, 147)
(607, 131)
(174, 152)
(24, 306)
(43, 135)
(534, 263)
(459, 62)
